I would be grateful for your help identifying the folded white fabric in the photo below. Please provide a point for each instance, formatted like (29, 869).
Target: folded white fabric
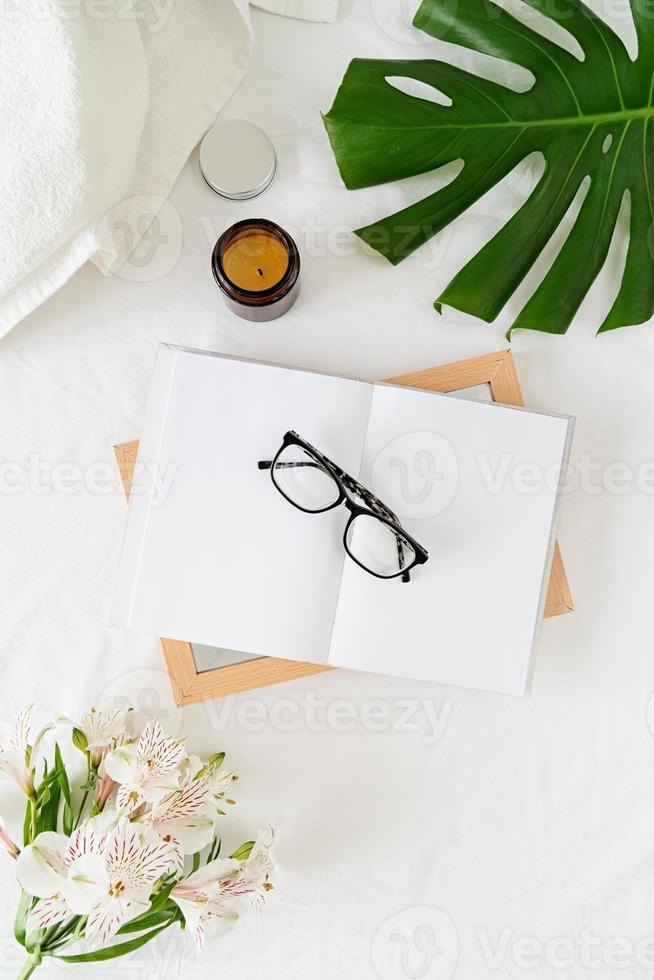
(102, 102)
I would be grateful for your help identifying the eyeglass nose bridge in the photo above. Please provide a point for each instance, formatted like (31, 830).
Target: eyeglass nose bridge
(351, 506)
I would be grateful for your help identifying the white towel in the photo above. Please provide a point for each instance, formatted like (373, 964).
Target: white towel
(102, 102)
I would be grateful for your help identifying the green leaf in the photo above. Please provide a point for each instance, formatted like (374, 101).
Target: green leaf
(111, 952)
(160, 906)
(244, 851)
(214, 763)
(62, 775)
(64, 785)
(150, 919)
(59, 935)
(24, 905)
(48, 798)
(589, 118)
(161, 897)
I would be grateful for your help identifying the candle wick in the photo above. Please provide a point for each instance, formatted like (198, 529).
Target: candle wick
(260, 271)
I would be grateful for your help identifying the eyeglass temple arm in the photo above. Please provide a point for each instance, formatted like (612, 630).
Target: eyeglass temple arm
(266, 464)
(374, 502)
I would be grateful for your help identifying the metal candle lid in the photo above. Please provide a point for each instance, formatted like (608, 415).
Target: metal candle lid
(237, 159)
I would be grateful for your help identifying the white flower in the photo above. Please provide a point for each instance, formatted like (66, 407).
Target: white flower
(223, 890)
(259, 865)
(105, 874)
(44, 866)
(195, 895)
(102, 731)
(220, 780)
(131, 864)
(146, 769)
(16, 753)
(221, 783)
(185, 817)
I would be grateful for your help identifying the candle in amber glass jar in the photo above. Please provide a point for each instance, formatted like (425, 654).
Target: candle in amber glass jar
(256, 265)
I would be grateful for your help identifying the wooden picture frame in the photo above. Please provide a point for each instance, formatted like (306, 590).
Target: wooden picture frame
(191, 685)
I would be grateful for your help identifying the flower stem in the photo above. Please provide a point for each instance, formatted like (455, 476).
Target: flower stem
(81, 809)
(89, 776)
(30, 964)
(33, 825)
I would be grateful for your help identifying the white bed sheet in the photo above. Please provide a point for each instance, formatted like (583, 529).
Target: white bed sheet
(409, 815)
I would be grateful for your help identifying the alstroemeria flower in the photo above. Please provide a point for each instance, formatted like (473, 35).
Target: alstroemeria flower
(185, 817)
(146, 769)
(16, 753)
(131, 864)
(105, 875)
(220, 780)
(195, 895)
(222, 890)
(44, 867)
(102, 731)
(258, 866)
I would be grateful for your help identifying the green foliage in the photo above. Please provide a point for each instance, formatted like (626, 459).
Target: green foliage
(162, 909)
(111, 952)
(166, 915)
(244, 851)
(24, 905)
(588, 118)
(42, 811)
(64, 786)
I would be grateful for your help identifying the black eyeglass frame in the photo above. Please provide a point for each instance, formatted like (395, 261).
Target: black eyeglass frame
(376, 508)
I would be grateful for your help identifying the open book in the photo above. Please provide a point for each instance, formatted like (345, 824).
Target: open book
(214, 553)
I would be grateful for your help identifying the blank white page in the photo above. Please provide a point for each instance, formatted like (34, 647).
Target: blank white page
(224, 559)
(460, 475)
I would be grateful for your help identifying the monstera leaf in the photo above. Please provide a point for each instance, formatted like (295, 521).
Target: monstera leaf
(590, 117)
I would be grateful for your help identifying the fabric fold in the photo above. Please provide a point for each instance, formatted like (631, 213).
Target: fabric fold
(102, 107)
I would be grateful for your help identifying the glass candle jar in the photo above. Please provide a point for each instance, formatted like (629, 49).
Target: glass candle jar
(257, 265)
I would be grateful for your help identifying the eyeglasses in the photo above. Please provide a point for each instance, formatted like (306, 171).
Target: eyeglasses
(373, 536)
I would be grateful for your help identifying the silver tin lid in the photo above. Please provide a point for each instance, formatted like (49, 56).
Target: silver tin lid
(237, 159)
